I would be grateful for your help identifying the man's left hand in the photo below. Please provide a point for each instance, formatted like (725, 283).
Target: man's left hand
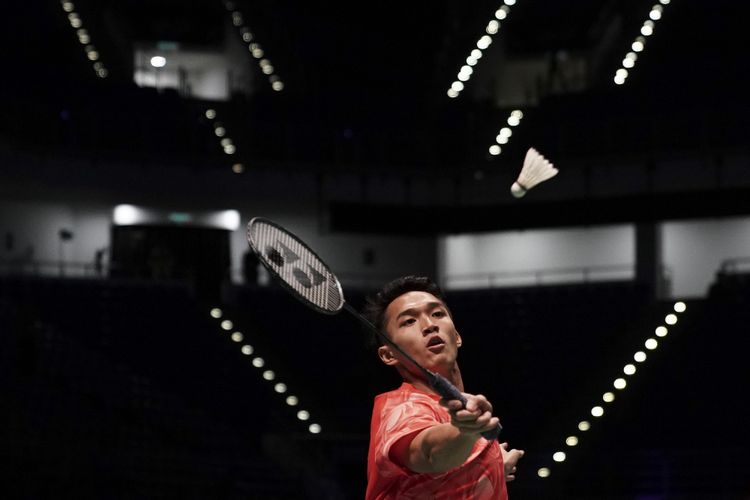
(510, 460)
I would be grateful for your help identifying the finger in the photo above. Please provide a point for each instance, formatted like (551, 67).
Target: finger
(483, 402)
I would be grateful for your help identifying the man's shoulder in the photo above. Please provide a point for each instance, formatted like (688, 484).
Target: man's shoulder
(406, 393)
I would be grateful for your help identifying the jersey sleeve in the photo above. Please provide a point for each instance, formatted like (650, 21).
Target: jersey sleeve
(400, 421)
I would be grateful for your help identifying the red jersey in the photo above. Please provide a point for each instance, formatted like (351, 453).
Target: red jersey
(406, 411)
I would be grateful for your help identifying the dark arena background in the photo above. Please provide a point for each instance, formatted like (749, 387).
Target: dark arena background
(145, 354)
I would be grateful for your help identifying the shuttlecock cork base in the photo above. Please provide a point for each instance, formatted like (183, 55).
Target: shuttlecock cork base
(536, 168)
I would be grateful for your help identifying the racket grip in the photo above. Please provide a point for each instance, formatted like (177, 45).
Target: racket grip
(449, 391)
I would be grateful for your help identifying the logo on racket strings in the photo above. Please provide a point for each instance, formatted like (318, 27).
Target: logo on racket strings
(285, 256)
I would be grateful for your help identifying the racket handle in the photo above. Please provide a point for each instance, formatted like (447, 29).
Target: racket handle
(449, 391)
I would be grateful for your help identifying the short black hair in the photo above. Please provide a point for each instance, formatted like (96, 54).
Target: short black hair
(377, 303)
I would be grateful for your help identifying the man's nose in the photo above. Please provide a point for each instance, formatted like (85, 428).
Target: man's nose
(429, 326)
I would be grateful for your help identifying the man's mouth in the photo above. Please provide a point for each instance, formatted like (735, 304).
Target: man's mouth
(435, 344)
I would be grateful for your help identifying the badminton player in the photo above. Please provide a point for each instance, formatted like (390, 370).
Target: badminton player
(422, 446)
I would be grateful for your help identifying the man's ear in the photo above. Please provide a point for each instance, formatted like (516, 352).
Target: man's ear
(458, 339)
(386, 355)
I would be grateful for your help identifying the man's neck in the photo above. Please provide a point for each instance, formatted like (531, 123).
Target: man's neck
(453, 374)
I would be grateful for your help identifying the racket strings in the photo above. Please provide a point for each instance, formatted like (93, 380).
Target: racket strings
(296, 265)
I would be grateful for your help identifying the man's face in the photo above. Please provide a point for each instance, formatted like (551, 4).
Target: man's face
(419, 323)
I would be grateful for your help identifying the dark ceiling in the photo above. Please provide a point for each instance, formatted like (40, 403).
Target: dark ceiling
(366, 83)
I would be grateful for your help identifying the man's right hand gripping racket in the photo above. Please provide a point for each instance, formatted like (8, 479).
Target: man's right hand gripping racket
(308, 278)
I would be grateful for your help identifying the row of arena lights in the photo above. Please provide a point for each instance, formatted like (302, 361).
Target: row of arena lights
(267, 374)
(619, 384)
(254, 47)
(640, 41)
(627, 63)
(226, 142)
(83, 36)
(464, 74)
(514, 119)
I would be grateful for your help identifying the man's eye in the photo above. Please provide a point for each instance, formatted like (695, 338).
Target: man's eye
(407, 322)
(439, 314)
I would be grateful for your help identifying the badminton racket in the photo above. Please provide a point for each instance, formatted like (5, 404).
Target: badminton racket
(303, 274)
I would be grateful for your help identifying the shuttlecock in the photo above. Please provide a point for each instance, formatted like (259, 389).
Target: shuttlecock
(536, 168)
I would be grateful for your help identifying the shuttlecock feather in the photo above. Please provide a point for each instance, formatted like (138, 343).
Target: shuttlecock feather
(536, 168)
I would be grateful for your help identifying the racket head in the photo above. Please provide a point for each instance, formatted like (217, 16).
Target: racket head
(295, 265)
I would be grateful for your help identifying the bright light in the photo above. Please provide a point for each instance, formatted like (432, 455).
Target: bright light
(220, 131)
(216, 313)
(583, 426)
(640, 356)
(619, 80)
(484, 42)
(559, 456)
(237, 336)
(68, 6)
(495, 150)
(247, 349)
(608, 397)
(620, 383)
(543, 472)
(269, 375)
(647, 30)
(571, 440)
(597, 411)
(471, 61)
(661, 331)
(501, 139)
(303, 415)
(258, 362)
(463, 77)
(452, 93)
(158, 61)
(227, 325)
(126, 214)
(651, 344)
(292, 400)
(280, 388)
(230, 149)
(656, 11)
(628, 63)
(258, 53)
(92, 55)
(629, 369)
(638, 44)
(210, 114)
(457, 86)
(670, 319)
(680, 307)
(505, 131)
(502, 12)
(664, 2)
(315, 429)
(513, 121)
(622, 72)
(267, 70)
(509, 2)
(492, 27)
(225, 142)
(228, 219)
(278, 86)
